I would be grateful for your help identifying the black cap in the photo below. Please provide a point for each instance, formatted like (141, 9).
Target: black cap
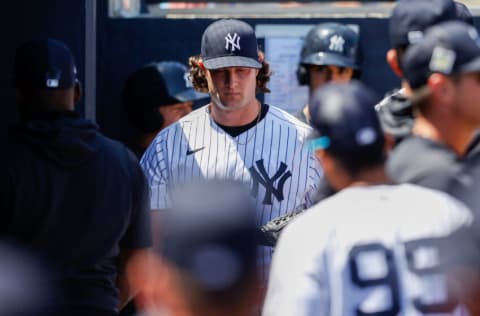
(345, 121)
(229, 43)
(44, 64)
(160, 84)
(210, 233)
(450, 48)
(410, 18)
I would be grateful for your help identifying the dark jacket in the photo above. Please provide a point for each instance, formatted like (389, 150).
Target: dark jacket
(74, 197)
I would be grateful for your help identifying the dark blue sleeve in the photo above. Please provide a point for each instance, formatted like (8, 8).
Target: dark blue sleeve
(138, 234)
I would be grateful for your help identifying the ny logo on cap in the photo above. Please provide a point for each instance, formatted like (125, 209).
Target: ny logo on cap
(53, 78)
(188, 81)
(336, 43)
(233, 42)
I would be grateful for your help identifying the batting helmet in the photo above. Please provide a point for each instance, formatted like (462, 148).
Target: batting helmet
(328, 44)
(152, 86)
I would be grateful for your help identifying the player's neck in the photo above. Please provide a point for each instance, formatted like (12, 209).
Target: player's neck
(238, 117)
(457, 136)
(370, 176)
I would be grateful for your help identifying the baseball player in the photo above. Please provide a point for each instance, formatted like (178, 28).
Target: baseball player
(451, 120)
(329, 53)
(408, 21)
(235, 136)
(154, 97)
(371, 249)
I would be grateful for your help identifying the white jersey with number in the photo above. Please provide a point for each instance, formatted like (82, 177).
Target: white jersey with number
(271, 157)
(366, 251)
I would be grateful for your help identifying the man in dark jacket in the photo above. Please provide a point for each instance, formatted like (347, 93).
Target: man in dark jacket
(77, 199)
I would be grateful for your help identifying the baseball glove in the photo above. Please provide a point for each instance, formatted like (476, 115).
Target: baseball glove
(270, 232)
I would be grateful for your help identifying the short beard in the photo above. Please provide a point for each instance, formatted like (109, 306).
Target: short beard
(215, 98)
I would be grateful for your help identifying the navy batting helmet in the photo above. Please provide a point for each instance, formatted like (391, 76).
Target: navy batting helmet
(153, 86)
(328, 44)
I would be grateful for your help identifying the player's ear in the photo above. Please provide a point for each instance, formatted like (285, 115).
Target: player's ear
(201, 65)
(441, 87)
(323, 157)
(392, 60)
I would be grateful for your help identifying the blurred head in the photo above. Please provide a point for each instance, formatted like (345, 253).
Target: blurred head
(409, 20)
(444, 72)
(45, 77)
(329, 53)
(157, 95)
(209, 252)
(347, 132)
(230, 66)
(24, 290)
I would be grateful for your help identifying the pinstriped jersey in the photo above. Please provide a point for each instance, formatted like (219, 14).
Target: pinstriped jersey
(271, 157)
(373, 250)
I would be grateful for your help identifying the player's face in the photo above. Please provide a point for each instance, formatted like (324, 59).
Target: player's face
(172, 113)
(234, 86)
(466, 97)
(320, 75)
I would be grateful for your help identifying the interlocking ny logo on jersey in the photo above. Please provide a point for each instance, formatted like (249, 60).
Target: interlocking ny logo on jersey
(232, 42)
(260, 176)
(336, 43)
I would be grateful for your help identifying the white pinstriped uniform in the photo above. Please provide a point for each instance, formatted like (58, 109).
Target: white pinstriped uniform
(371, 250)
(276, 145)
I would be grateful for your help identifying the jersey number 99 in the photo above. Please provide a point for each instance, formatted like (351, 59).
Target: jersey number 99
(378, 268)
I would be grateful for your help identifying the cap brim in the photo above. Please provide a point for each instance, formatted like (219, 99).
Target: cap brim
(472, 66)
(231, 61)
(322, 58)
(190, 95)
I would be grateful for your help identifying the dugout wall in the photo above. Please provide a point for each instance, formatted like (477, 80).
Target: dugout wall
(108, 48)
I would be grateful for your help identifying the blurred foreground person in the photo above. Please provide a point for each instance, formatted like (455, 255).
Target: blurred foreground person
(372, 248)
(208, 255)
(23, 290)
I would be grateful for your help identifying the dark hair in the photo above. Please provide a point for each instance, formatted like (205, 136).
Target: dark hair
(421, 99)
(400, 53)
(200, 84)
(376, 157)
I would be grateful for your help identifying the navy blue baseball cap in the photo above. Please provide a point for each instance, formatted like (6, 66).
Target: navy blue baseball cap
(229, 43)
(44, 64)
(160, 84)
(410, 18)
(449, 48)
(210, 233)
(345, 122)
